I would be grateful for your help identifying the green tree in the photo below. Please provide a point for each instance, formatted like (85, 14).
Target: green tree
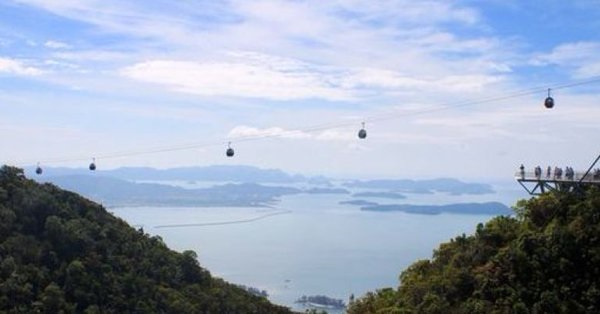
(61, 253)
(545, 260)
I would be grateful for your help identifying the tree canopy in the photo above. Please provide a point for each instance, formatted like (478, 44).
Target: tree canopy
(61, 253)
(545, 259)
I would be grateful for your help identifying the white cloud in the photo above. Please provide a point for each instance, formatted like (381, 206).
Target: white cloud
(336, 30)
(582, 58)
(242, 131)
(259, 76)
(569, 52)
(336, 135)
(52, 44)
(60, 64)
(298, 15)
(404, 11)
(387, 79)
(526, 120)
(346, 47)
(256, 75)
(92, 55)
(17, 67)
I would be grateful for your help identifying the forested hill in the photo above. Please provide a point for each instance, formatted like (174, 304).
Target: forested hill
(545, 260)
(62, 253)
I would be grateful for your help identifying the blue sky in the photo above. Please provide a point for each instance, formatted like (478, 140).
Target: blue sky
(82, 79)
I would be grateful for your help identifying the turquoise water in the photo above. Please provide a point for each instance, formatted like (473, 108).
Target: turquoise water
(308, 244)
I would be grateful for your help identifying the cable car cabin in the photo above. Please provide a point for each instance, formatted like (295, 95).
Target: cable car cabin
(549, 102)
(362, 134)
(229, 152)
(93, 164)
(38, 170)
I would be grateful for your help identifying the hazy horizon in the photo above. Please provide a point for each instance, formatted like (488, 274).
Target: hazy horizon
(509, 178)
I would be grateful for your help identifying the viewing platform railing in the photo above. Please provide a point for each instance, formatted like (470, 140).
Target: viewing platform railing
(537, 184)
(561, 180)
(529, 176)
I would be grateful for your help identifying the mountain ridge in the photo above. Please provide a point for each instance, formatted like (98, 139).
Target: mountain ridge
(545, 259)
(214, 173)
(61, 253)
(119, 192)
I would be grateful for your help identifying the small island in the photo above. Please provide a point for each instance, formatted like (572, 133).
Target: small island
(390, 195)
(121, 193)
(441, 185)
(322, 302)
(358, 203)
(489, 208)
(326, 191)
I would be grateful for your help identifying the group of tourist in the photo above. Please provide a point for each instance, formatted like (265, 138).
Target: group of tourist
(558, 172)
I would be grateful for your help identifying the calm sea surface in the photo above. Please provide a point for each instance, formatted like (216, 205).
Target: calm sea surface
(309, 244)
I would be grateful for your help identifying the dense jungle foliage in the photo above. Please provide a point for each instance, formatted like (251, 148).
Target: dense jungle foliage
(60, 253)
(544, 260)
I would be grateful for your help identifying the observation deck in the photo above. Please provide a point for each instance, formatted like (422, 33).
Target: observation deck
(538, 184)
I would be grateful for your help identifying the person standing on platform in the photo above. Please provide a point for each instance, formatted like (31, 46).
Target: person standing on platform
(522, 168)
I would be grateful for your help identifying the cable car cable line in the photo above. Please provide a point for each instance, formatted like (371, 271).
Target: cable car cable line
(320, 127)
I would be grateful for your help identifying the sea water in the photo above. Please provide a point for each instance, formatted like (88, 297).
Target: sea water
(308, 244)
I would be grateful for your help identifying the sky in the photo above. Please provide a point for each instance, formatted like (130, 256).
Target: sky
(288, 83)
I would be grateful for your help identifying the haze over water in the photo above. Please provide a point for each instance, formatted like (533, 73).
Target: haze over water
(313, 245)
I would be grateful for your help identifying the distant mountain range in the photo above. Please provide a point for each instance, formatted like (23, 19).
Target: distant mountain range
(444, 185)
(390, 195)
(118, 192)
(216, 173)
(250, 174)
(246, 186)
